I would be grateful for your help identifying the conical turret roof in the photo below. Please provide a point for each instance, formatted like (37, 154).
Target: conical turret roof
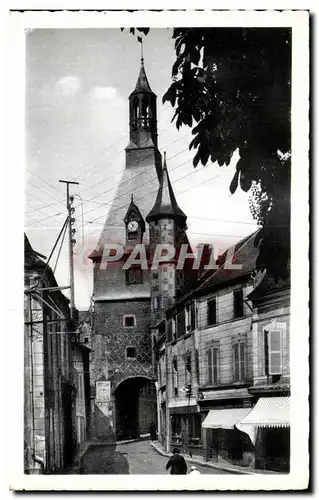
(142, 85)
(165, 204)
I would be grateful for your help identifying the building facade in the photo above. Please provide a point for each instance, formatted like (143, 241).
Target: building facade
(53, 357)
(268, 425)
(223, 367)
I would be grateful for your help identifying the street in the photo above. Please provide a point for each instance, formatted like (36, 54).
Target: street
(131, 458)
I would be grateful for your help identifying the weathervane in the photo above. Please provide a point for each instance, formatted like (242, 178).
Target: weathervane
(140, 39)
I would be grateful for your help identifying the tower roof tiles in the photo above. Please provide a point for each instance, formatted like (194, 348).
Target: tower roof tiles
(142, 85)
(165, 204)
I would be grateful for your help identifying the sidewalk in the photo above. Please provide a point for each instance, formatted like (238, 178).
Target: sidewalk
(221, 464)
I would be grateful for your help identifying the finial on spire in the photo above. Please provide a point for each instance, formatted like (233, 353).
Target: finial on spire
(132, 197)
(142, 55)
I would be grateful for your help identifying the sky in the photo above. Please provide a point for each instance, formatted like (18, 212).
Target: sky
(77, 87)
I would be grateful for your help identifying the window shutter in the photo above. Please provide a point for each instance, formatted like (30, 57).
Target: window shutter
(193, 322)
(235, 362)
(169, 330)
(209, 366)
(274, 352)
(215, 365)
(197, 365)
(242, 360)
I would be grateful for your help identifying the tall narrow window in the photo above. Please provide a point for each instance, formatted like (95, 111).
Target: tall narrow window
(174, 327)
(187, 318)
(169, 330)
(175, 377)
(212, 354)
(239, 361)
(155, 303)
(188, 368)
(238, 303)
(274, 352)
(193, 316)
(197, 366)
(211, 312)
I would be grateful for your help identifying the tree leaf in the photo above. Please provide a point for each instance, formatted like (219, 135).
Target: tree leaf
(196, 158)
(204, 155)
(234, 183)
(245, 181)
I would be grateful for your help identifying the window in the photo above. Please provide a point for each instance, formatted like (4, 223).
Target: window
(193, 316)
(132, 235)
(80, 385)
(174, 328)
(155, 303)
(197, 365)
(129, 321)
(134, 276)
(239, 360)
(195, 428)
(188, 368)
(176, 423)
(175, 377)
(211, 312)
(131, 352)
(238, 304)
(187, 318)
(212, 354)
(273, 352)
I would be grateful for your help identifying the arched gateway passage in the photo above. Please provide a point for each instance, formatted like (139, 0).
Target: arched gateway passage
(135, 400)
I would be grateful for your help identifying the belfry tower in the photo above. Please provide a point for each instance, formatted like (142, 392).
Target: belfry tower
(142, 148)
(123, 390)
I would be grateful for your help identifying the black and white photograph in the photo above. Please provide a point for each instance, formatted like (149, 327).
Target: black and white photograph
(163, 327)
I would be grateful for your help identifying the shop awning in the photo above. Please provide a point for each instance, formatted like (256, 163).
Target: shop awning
(224, 419)
(269, 412)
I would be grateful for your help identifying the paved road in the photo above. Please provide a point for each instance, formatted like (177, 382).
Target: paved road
(130, 458)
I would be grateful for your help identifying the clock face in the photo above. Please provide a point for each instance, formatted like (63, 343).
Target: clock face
(132, 225)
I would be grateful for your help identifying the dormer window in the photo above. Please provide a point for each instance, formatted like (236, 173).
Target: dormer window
(135, 225)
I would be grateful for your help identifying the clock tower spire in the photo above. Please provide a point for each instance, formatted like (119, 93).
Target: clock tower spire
(143, 148)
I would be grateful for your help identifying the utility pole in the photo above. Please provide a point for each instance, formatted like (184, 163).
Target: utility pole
(71, 263)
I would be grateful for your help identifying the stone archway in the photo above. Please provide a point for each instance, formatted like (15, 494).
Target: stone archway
(135, 402)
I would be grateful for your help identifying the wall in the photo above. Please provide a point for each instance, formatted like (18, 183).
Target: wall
(80, 408)
(48, 364)
(226, 329)
(273, 312)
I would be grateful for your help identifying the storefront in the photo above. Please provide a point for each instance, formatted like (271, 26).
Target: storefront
(186, 432)
(222, 440)
(268, 426)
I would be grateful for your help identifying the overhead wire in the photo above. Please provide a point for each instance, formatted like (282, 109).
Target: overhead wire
(42, 190)
(154, 191)
(44, 180)
(148, 168)
(49, 258)
(62, 240)
(108, 190)
(131, 179)
(43, 206)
